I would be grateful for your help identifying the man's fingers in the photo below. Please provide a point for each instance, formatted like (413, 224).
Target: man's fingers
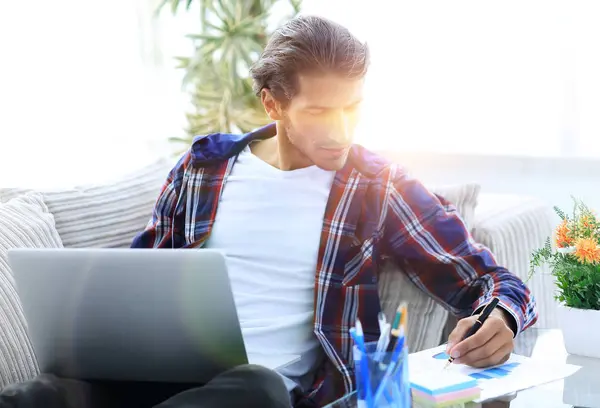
(490, 328)
(482, 352)
(461, 329)
(499, 357)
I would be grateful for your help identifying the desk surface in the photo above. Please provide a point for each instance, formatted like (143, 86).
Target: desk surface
(582, 389)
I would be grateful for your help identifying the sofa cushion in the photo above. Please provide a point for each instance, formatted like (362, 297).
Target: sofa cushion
(25, 222)
(107, 215)
(463, 196)
(427, 319)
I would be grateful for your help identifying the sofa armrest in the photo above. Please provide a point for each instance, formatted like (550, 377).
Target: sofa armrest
(512, 227)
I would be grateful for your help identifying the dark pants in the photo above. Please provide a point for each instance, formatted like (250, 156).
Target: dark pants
(248, 386)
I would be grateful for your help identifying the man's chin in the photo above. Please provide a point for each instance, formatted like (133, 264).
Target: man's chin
(332, 165)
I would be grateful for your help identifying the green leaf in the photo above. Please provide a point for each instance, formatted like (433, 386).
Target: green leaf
(296, 4)
(208, 96)
(214, 27)
(239, 11)
(183, 62)
(227, 10)
(204, 37)
(176, 139)
(560, 213)
(174, 5)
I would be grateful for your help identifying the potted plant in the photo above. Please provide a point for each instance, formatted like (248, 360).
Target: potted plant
(574, 258)
(232, 34)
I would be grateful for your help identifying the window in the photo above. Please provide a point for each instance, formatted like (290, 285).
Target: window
(91, 85)
(80, 96)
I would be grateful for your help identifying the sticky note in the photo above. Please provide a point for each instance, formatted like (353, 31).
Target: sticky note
(443, 388)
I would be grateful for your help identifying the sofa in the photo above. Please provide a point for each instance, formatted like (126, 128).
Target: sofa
(109, 215)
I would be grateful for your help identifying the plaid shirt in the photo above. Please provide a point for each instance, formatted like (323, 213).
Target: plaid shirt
(375, 210)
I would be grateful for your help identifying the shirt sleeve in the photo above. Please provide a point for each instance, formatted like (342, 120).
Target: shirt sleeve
(425, 233)
(166, 226)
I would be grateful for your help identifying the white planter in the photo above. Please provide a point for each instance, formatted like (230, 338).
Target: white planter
(581, 331)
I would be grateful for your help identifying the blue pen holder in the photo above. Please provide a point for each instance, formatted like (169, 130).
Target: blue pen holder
(386, 383)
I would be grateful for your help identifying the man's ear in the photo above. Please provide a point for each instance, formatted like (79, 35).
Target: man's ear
(272, 105)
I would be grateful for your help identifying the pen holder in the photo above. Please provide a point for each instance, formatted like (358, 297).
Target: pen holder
(382, 378)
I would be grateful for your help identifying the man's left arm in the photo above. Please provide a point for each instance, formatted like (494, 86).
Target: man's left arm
(441, 257)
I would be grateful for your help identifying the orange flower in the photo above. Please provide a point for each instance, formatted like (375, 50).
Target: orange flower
(587, 250)
(563, 239)
(588, 222)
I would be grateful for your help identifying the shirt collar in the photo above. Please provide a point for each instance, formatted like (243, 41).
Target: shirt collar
(217, 147)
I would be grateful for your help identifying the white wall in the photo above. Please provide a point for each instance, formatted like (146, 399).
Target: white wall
(553, 180)
(85, 93)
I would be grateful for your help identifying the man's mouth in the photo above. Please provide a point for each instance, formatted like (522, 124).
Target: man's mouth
(335, 151)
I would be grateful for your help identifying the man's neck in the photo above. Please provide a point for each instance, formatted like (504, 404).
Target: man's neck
(279, 152)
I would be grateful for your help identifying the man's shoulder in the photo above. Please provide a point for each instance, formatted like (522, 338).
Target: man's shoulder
(205, 151)
(218, 147)
(374, 165)
(215, 147)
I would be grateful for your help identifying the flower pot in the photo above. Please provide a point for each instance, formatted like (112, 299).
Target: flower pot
(581, 331)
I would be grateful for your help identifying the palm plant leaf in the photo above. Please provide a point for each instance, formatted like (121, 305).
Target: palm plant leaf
(175, 4)
(232, 35)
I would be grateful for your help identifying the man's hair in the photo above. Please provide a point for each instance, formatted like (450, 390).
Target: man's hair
(307, 44)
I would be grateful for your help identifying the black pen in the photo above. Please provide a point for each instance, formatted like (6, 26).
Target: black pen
(478, 323)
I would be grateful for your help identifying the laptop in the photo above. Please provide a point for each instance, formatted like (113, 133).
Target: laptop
(132, 314)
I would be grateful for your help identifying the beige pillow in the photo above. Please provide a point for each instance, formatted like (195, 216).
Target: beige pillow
(25, 222)
(108, 215)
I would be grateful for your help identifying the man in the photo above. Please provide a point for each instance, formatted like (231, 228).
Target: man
(305, 218)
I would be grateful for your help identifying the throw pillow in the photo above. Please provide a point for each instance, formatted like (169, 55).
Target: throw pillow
(108, 215)
(25, 222)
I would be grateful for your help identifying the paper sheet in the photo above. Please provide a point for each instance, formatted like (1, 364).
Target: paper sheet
(517, 374)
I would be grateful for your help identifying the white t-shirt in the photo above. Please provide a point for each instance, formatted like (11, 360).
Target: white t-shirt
(269, 224)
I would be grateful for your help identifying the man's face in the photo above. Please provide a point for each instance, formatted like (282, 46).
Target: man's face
(321, 118)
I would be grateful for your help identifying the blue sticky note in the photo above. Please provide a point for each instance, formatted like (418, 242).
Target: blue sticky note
(441, 382)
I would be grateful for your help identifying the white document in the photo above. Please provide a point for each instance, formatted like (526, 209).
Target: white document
(517, 374)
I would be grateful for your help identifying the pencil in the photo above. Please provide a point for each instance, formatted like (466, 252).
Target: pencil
(397, 326)
(478, 323)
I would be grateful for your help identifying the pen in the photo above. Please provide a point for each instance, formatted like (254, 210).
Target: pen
(383, 341)
(478, 323)
(382, 344)
(394, 361)
(381, 320)
(359, 339)
(358, 357)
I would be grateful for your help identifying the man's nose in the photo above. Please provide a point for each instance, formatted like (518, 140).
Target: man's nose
(342, 129)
